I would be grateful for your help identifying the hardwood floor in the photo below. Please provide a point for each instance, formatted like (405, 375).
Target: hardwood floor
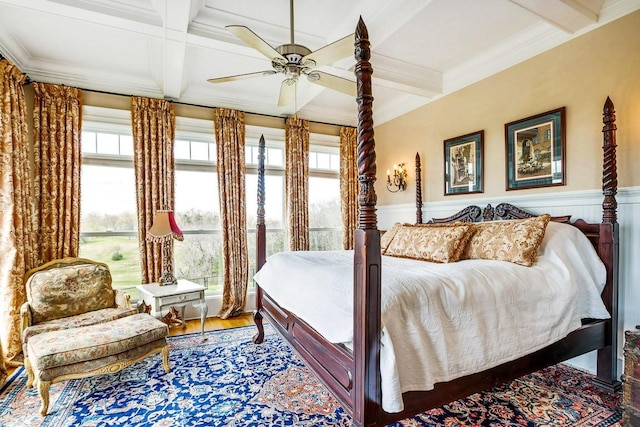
(193, 326)
(212, 324)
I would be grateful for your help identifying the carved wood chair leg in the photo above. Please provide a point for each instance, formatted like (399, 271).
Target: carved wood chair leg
(258, 338)
(165, 358)
(29, 369)
(43, 391)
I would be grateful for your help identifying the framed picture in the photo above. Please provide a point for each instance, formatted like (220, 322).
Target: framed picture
(463, 164)
(535, 149)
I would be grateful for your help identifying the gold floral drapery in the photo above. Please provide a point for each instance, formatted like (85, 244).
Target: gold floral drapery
(297, 182)
(18, 240)
(348, 184)
(153, 123)
(57, 125)
(229, 128)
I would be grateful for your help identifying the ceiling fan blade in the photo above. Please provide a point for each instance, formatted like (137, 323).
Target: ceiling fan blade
(333, 82)
(287, 92)
(241, 76)
(253, 40)
(331, 52)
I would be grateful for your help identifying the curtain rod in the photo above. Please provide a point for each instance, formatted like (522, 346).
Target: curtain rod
(207, 106)
(29, 81)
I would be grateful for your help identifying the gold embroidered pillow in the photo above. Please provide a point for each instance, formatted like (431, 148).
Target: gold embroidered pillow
(514, 241)
(387, 237)
(435, 243)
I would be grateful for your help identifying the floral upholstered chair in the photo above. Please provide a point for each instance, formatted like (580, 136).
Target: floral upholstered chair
(75, 325)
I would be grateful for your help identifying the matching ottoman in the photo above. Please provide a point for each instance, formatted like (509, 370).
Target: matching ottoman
(93, 350)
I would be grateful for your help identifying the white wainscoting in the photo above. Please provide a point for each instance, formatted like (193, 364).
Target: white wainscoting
(580, 204)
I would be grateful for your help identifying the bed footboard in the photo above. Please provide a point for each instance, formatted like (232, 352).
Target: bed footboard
(332, 363)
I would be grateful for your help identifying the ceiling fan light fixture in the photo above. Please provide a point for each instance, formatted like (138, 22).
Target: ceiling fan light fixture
(294, 60)
(293, 52)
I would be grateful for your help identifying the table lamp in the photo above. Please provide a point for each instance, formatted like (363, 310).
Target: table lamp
(163, 229)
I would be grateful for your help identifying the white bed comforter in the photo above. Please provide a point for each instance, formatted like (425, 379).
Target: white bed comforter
(444, 321)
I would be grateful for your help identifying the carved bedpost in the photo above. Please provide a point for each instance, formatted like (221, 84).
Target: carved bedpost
(608, 250)
(418, 190)
(609, 168)
(261, 241)
(366, 293)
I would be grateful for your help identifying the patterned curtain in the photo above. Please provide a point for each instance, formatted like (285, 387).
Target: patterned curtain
(57, 121)
(18, 242)
(348, 184)
(229, 128)
(3, 367)
(297, 183)
(153, 123)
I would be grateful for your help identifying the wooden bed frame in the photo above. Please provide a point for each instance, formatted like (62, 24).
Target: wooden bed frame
(354, 375)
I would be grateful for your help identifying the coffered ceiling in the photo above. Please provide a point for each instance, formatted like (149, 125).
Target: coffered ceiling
(421, 49)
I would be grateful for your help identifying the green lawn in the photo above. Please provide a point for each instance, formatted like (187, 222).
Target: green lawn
(126, 271)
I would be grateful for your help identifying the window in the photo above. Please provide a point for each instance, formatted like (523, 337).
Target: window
(198, 257)
(108, 200)
(108, 223)
(325, 221)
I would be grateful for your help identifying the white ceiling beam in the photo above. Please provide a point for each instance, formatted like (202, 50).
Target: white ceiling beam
(382, 17)
(86, 15)
(399, 75)
(568, 15)
(176, 16)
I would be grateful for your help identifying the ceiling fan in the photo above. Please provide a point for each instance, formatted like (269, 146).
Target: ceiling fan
(294, 60)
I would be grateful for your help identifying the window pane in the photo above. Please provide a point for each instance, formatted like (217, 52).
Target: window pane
(108, 204)
(213, 154)
(275, 157)
(108, 199)
(181, 149)
(248, 154)
(324, 161)
(88, 142)
(324, 213)
(108, 143)
(126, 145)
(121, 254)
(199, 150)
(313, 162)
(274, 216)
(197, 204)
(198, 257)
(274, 193)
(335, 162)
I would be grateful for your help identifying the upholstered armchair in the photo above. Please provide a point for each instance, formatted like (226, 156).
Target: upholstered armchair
(75, 325)
(67, 293)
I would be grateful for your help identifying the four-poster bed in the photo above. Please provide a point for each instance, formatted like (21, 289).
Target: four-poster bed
(352, 372)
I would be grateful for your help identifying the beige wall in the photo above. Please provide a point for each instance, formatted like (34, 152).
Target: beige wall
(579, 75)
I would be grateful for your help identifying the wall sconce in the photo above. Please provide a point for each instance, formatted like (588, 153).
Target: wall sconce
(397, 181)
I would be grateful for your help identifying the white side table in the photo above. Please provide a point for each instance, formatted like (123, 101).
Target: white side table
(163, 297)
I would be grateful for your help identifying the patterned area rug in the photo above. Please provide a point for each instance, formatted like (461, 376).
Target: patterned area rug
(228, 381)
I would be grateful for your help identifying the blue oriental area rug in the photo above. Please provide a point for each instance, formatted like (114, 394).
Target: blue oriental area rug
(228, 381)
